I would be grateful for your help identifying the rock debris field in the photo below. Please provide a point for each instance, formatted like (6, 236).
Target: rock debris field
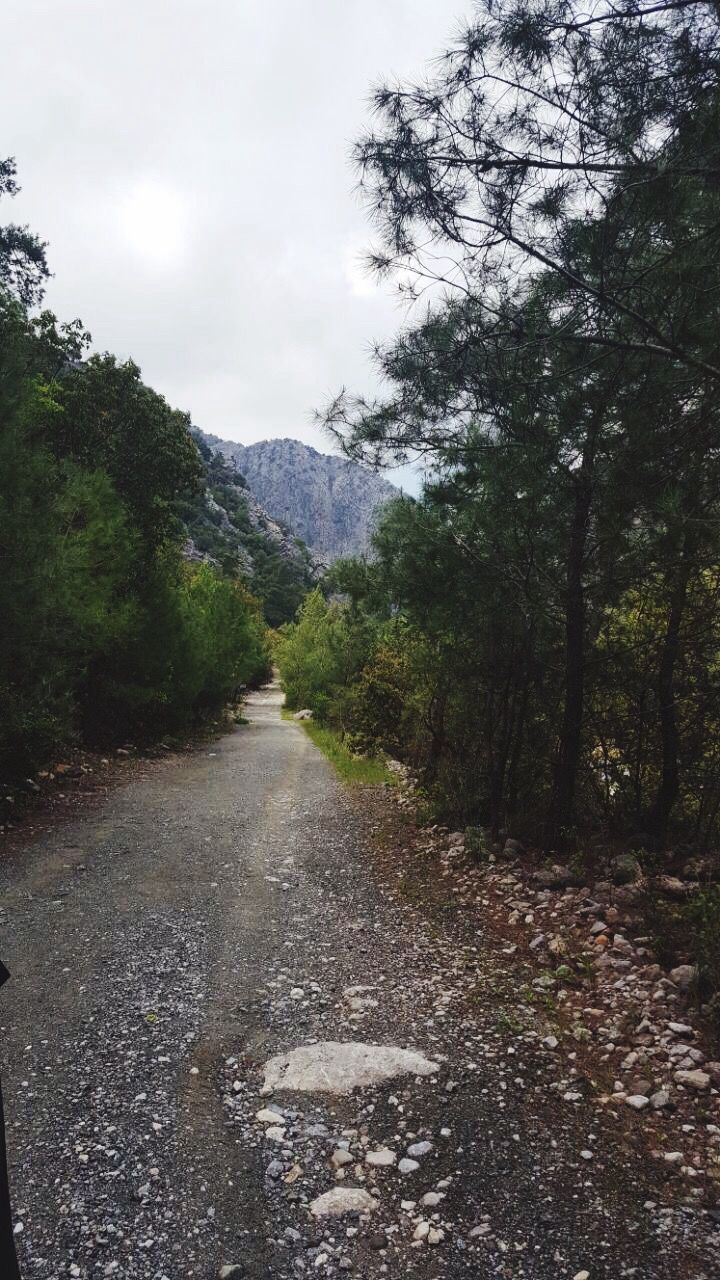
(259, 1026)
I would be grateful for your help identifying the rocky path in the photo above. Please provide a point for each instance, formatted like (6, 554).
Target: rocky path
(173, 950)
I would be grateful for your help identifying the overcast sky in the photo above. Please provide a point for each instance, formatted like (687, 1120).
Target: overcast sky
(188, 162)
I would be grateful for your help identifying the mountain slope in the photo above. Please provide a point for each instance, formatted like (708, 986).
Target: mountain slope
(328, 502)
(227, 526)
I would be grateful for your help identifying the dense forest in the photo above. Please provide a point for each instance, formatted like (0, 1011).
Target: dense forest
(106, 632)
(539, 634)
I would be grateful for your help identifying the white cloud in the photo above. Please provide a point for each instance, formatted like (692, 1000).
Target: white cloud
(152, 221)
(188, 162)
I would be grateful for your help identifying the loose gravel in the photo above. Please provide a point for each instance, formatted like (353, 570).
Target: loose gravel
(225, 911)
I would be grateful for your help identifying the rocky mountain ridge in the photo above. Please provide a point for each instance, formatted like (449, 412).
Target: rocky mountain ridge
(329, 502)
(227, 526)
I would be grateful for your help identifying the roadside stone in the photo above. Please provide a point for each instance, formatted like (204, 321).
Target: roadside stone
(269, 1115)
(555, 877)
(381, 1159)
(408, 1166)
(557, 946)
(693, 1079)
(431, 1199)
(637, 1101)
(341, 1157)
(672, 887)
(660, 1099)
(640, 1086)
(683, 976)
(231, 1271)
(419, 1149)
(713, 1070)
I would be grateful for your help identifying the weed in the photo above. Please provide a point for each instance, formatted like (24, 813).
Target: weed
(476, 843)
(508, 1024)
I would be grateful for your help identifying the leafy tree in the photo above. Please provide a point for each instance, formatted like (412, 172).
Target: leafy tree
(104, 631)
(580, 143)
(23, 264)
(111, 419)
(560, 166)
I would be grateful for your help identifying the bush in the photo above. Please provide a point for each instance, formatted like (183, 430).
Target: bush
(318, 656)
(198, 638)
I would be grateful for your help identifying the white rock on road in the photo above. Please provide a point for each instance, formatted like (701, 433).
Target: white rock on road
(335, 1067)
(342, 1200)
(381, 1159)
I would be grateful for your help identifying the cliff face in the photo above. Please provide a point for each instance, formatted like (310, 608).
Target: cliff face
(227, 526)
(328, 502)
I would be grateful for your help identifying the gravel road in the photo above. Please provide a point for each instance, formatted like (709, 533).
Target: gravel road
(223, 909)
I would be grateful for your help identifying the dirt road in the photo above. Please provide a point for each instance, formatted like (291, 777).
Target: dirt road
(224, 909)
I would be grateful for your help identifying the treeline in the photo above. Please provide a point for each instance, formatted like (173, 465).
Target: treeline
(106, 634)
(539, 634)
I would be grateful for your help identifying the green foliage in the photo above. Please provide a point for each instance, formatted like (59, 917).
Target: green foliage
(703, 918)
(197, 639)
(690, 932)
(318, 656)
(104, 630)
(353, 769)
(559, 576)
(111, 419)
(23, 265)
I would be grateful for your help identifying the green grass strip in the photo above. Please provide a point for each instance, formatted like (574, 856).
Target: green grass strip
(353, 770)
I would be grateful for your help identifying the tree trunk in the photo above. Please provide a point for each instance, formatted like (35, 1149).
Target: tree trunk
(436, 727)
(516, 748)
(563, 806)
(669, 785)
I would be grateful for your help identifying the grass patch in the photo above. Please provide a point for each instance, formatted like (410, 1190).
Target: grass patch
(353, 770)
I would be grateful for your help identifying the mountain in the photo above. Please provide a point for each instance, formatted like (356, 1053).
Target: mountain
(227, 526)
(329, 502)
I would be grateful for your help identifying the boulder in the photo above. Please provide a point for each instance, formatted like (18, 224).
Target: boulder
(698, 1080)
(699, 869)
(683, 976)
(713, 1070)
(673, 887)
(625, 869)
(555, 877)
(305, 714)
